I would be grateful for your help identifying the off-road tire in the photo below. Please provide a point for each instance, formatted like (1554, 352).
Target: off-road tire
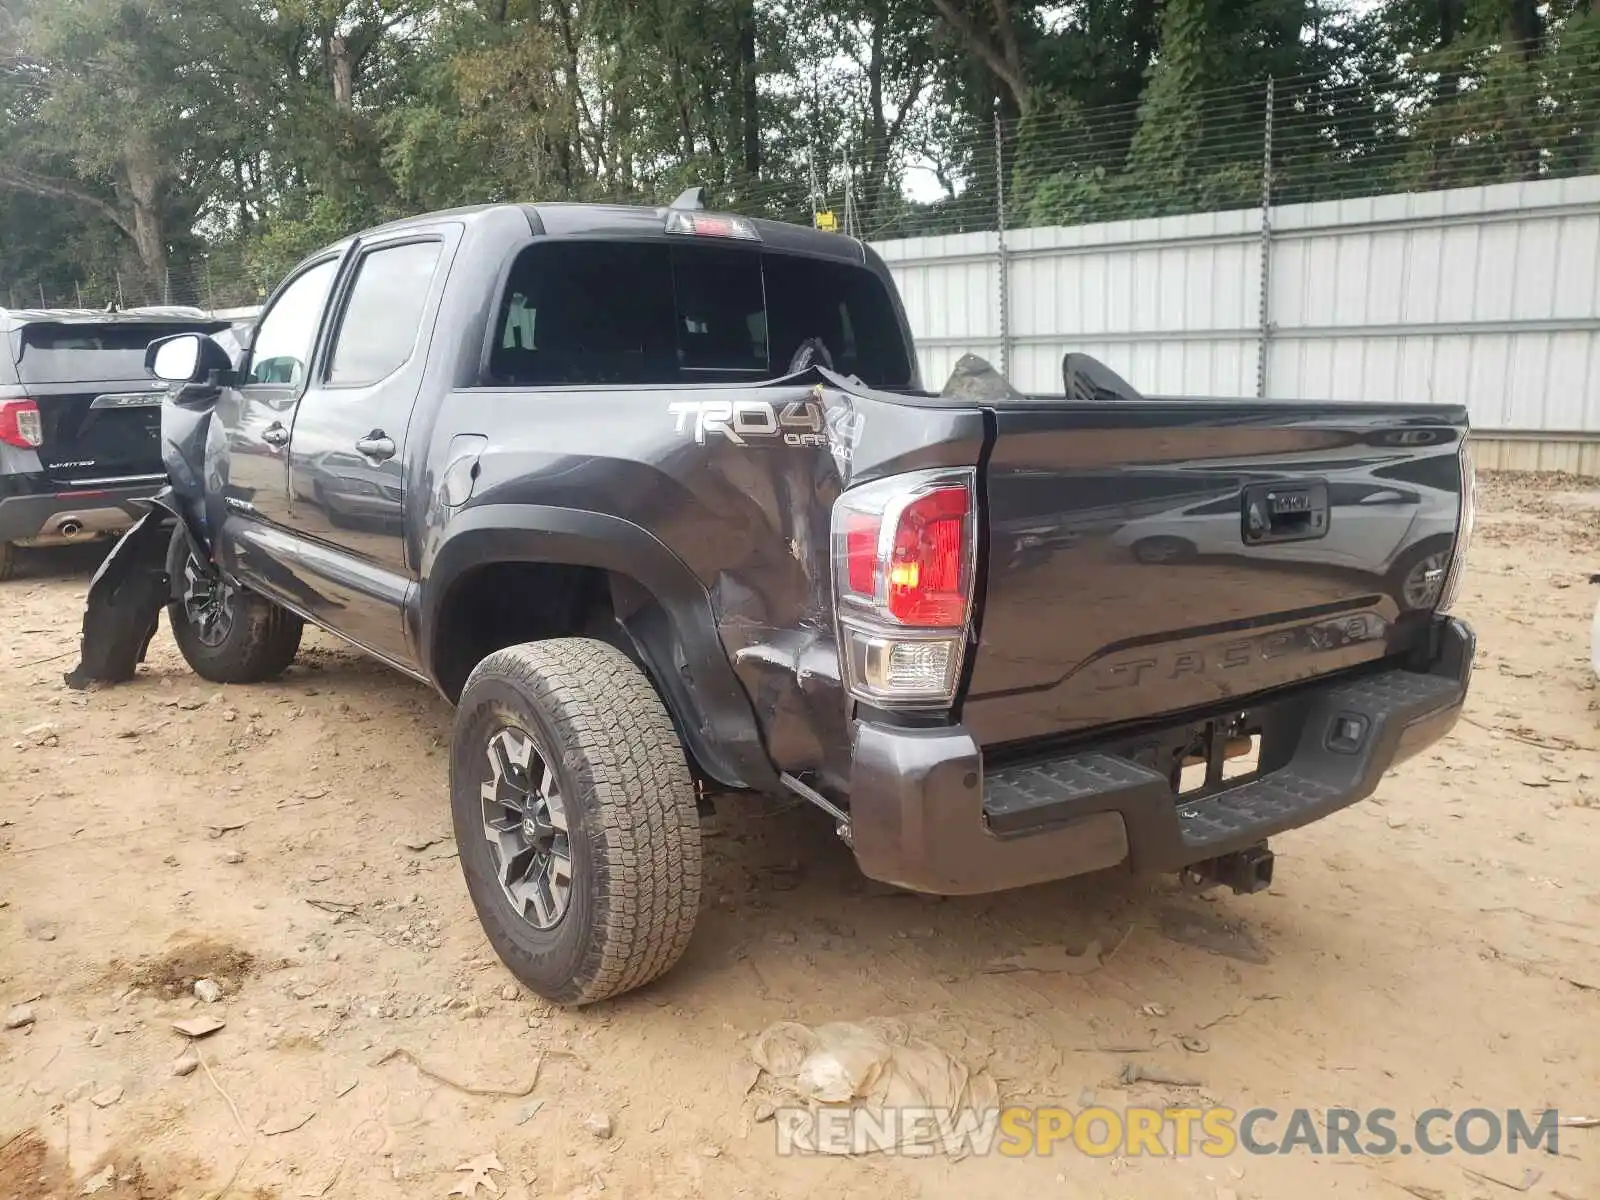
(259, 645)
(633, 825)
(8, 561)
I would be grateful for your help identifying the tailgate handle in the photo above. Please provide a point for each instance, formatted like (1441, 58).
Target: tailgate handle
(1285, 512)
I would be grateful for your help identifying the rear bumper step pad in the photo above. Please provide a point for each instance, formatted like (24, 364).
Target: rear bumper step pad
(927, 813)
(1352, 734)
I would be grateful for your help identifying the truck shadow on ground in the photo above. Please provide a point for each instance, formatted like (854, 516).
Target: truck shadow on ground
(785, 902)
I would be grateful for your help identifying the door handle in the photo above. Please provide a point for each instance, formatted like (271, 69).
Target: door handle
(376, 444)
(275, 435)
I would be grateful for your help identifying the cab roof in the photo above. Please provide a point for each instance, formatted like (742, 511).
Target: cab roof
(633, 221)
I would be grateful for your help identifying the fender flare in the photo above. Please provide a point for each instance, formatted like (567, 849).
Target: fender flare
(667, 616)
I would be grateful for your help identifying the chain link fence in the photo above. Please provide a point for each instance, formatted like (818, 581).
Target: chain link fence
(220, 278)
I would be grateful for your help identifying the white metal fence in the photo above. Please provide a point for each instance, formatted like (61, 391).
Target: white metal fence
(1488, 295)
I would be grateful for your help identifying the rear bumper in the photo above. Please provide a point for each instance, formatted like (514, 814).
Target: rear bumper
(925, 815)
(38, 512)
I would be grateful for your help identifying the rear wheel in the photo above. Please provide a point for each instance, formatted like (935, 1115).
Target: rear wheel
(575, 819)
(8, 561)
(226, 634)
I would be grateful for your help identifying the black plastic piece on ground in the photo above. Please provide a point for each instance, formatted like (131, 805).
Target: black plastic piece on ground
(124, 606)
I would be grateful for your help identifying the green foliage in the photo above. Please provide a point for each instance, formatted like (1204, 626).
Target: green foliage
(195, 149)
(285, 239)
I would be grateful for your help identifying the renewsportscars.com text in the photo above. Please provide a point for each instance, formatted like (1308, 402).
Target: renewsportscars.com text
(1165, 1132)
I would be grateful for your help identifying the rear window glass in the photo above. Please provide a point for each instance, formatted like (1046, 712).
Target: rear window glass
(92, 353)
(645, 313)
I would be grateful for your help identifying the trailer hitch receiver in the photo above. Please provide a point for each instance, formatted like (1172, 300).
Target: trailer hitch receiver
(1245, 871)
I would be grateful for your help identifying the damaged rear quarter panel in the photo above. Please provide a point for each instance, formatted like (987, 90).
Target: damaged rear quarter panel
(739, 484)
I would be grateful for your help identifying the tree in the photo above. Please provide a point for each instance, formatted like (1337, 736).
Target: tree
(137, 136)
(990, 31)
(100, 111)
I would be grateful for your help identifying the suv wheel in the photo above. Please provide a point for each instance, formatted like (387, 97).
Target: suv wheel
(575, 818)
(226, 634)
(8, 561)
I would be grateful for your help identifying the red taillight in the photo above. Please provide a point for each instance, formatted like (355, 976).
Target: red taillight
(904, 550)
(927, 584)
(922, 577)
(861, 552)
(20, 425)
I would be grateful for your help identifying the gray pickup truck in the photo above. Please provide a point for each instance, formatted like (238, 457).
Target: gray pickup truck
(656, 498)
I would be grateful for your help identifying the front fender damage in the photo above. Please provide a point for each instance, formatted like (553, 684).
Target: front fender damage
(127, 594)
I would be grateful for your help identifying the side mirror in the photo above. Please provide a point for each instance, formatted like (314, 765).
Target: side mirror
(185, 358)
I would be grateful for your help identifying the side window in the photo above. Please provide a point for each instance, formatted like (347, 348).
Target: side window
(384, 313)
(288, 332)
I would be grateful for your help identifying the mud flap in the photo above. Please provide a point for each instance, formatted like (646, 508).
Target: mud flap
(126, 597)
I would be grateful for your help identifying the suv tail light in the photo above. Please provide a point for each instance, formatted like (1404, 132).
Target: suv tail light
(20, 425)
(1469, 518)
(905, 553)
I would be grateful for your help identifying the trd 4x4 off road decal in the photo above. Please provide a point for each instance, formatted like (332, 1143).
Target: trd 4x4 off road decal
(746, 422)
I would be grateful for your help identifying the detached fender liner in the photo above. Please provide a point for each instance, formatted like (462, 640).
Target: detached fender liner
(127, 594)
(925, 814)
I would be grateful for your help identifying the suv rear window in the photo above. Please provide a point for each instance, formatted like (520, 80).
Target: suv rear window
(647, 313)
(88, 353)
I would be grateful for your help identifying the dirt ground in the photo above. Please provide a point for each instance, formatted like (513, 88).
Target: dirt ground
(1438, 946)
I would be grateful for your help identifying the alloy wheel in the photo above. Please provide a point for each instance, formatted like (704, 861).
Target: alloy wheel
(525, 823)
(208, 604)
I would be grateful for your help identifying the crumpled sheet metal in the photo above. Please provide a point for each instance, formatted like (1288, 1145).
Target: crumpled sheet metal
(875, 1065)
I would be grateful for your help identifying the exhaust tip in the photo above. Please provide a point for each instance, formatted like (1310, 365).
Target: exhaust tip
(70, 527)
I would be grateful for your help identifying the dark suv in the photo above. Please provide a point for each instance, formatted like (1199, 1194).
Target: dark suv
(80, 421)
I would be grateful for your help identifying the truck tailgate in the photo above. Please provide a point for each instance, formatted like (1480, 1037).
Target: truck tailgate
(1151, 557)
